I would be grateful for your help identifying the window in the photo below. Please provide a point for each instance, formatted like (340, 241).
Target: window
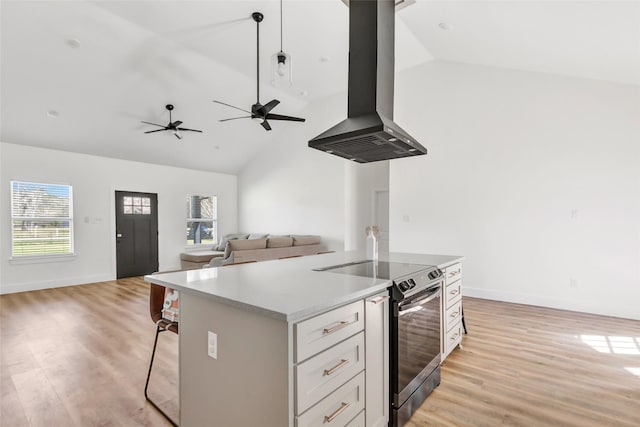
(136, 205)
(41, 219)
(202, 220)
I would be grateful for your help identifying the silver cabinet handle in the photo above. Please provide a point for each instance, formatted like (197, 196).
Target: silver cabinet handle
(119, 235)
(454, 273)
(334, 328)
(455, 314)
(341, 409)
(342, 363)
(454, 292)
(454, 336)
(380, 299)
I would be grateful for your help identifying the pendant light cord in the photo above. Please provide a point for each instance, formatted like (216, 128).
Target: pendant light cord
(280, 25)
(258, 61)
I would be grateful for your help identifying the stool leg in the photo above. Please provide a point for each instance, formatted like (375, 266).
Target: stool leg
(146, 385)
(464, 325)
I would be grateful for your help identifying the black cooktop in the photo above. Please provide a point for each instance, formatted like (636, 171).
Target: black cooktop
(377, 270)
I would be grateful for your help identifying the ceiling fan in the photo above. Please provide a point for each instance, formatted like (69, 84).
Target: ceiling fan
(259, 111)
(172, 126)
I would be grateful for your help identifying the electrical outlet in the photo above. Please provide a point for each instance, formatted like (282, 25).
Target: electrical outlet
(212, 345)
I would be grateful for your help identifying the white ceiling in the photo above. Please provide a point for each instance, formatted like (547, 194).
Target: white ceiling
(136, 56)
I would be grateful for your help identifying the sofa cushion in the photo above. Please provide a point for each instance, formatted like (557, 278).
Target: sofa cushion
(200, 256)
(279, 242)
(234, 236)
(305, 240)
(243, 245)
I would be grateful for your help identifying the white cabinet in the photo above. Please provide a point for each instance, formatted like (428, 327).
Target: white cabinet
(377, 360)
(341, 365)
(451, 309)
(320, 375)
(323, 331)
(337, 409)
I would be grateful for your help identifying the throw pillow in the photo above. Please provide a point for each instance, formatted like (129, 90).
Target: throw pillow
(234, 236)
(257, 236)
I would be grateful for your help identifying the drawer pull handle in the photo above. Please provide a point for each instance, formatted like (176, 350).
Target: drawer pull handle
(334, 328)
(454, 273)
(454, 336)
(454, 292)
(455, 314)
(378, 300)
(335, 368)
(341, 409)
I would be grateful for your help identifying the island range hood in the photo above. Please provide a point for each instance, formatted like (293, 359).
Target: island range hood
(369, 133)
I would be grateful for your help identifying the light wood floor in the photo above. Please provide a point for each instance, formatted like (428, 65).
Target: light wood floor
(78, 356)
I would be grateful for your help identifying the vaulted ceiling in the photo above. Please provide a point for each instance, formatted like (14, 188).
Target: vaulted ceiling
(80, 76)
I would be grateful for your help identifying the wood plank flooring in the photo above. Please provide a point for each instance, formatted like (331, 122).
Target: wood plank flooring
(530, 366)
(78, 356)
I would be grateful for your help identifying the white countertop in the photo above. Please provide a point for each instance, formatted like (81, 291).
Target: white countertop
(289, 289)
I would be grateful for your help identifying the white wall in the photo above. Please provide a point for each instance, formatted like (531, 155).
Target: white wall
(291, 188)
(534, 178)
(94, 180)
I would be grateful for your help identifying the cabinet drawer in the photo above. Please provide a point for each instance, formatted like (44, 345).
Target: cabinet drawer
(322, 374)
(337, 409)
(321, 332)
(453, 293)
(453, 315)
(452, 273)
(357, 421)
(453, 338)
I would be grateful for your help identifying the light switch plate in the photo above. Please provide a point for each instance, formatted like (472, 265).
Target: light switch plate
(212, 345)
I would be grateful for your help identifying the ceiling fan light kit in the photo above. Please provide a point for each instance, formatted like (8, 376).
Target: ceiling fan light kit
(172, 126)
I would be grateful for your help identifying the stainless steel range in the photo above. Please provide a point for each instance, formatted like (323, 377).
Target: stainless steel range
(414, 330)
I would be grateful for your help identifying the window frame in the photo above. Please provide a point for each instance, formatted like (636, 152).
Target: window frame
(214, 221)
(69, 219)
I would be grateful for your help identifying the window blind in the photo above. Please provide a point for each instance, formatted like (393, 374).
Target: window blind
(41, 219)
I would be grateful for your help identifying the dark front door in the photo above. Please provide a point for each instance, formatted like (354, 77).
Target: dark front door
(136, 233)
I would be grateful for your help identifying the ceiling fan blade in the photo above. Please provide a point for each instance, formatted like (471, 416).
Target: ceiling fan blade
(155, 124)
(176, 123)
(270, 105)
(265, 125)
(281, 117)
(190, 130)
(235, 118)
(157, 130)
(232, 106)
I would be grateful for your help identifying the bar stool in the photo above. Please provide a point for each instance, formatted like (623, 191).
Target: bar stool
(156, 303)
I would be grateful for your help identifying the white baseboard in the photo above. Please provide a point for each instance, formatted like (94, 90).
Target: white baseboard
(50, 284)
(550, 302)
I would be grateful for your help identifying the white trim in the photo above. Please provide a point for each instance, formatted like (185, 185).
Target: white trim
(37, 259)
(551, 302)
(54, 283)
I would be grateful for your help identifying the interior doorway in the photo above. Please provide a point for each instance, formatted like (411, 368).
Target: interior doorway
(136, 234)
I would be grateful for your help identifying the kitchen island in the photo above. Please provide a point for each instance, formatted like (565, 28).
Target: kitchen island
(276, 343)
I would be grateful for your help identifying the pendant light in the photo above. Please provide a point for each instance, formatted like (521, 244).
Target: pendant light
(281, 64)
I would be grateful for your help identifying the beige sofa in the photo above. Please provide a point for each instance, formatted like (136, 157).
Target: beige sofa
(267, 248)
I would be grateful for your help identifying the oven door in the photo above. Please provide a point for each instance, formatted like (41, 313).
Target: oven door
(416, 326)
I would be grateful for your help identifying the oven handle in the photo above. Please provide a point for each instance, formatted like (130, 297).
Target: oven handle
(413, 304)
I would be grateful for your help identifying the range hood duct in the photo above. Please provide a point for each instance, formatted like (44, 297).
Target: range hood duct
(369, 133)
